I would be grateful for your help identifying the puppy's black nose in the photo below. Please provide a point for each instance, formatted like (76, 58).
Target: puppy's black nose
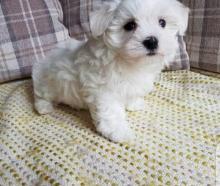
(151, 43)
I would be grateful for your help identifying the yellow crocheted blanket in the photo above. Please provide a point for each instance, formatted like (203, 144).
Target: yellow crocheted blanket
(176, 139)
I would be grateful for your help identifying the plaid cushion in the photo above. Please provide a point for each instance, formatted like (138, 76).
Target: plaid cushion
(181, 61)
(76, 19)
(203, 35)
(28, 29)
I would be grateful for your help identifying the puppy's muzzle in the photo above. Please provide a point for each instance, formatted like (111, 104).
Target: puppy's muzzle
(151, 44)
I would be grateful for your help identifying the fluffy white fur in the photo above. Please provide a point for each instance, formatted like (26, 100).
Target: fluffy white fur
(111, 72)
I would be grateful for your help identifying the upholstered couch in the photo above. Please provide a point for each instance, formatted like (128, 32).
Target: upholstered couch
(177, 135)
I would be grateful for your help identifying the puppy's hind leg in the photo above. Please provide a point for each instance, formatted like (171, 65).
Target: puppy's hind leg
(43, 106)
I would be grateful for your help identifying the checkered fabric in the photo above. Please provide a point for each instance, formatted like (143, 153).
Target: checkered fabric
(181, 61)
(76, 19)
(203, 35)
(28, 29)
(76, 16)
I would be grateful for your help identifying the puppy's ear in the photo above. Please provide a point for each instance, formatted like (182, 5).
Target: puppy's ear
(182, 13)
(101, 18)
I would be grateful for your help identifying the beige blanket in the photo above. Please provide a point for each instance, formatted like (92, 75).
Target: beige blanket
(176, 139)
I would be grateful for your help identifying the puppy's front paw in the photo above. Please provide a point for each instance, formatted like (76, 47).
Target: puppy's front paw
(136, 105)
(117, 132)
(43, 106)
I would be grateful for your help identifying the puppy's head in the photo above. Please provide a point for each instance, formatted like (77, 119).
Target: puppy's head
(141, 28)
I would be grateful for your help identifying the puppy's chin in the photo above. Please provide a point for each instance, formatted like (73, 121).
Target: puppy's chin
(142, 53)
(148, 57)
(154, 57)
(155, 54)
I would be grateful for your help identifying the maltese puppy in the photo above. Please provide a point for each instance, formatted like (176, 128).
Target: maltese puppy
(132, 41)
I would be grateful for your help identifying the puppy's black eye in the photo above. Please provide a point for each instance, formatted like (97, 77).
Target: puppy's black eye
(130, 26)
(162, 23)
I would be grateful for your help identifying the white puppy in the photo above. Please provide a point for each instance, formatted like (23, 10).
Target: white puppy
(132, 42)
